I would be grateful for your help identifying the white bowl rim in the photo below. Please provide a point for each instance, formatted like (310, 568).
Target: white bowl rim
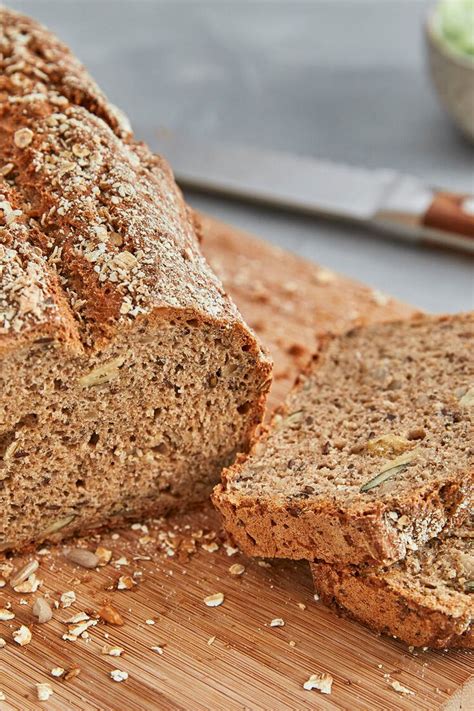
(442, 46)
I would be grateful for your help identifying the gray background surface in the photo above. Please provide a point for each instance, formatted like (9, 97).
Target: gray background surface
(338, 79)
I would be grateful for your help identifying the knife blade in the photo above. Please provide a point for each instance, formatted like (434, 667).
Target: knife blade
(383, 199)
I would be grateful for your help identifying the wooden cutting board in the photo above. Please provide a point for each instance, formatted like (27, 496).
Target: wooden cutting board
(226, 657)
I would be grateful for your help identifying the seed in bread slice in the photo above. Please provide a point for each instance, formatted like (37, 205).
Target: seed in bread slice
(372, 453)
(426, 600)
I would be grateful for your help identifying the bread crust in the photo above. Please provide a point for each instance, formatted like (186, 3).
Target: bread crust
(371, 600)
(362, 533)
(104, 213)
(97, 248)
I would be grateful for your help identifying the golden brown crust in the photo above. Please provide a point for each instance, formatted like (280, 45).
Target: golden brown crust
(361, 537)
(370, 599)
(105, 213)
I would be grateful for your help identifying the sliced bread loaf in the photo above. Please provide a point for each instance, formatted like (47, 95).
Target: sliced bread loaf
(372, 454)
(127, 376)
(426, 600)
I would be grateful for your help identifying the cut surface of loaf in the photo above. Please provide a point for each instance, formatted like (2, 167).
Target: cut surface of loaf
(127, 376)
(426, 600)
(372, 453)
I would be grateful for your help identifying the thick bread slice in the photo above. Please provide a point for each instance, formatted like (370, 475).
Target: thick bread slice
(372, 454)
(127, 376)
(426, 600)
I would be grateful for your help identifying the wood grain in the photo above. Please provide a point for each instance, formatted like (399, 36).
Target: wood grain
(249, 665)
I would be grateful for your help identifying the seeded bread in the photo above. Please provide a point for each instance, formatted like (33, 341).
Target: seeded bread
(372, 454)
(127, 376)
(256, 274)
(426, 600)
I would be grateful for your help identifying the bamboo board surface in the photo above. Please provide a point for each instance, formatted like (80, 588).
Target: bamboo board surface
(226, 657)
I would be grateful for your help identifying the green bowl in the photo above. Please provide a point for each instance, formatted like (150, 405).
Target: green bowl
(453, 77)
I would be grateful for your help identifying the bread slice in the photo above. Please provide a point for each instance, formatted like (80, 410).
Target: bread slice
(426, 600)
(127, 376)
(372, 454)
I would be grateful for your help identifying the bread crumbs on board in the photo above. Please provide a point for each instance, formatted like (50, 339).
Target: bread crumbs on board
(320, 682)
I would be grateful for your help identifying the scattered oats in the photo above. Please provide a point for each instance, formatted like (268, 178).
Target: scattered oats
(230, 550)
(22, 636)
(57, 671)
(324, 276)
(302, 606)
(211, 640)
(121, 561)
(264, 564)
(321, 682)
(30, 585)
(80, 617)
(42, 610)
(214, 600)
(125, 582)
(6, 614)
(80, 151)
(379, 298)
(23, 573)
(77, 630)
(401, 689)
(6, 169)
(23, 137)
(68, 598)
(237, 569)
(158, 650)
(292, 643)
(149, 622)
(43, 691)
(277, 622)
(118, 675)
(103, 555)
(210, 547)
(81, 557)
(112, 651)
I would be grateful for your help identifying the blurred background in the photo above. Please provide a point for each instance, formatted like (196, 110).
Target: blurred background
(344, 80)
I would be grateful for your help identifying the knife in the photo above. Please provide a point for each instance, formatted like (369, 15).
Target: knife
(383, 199)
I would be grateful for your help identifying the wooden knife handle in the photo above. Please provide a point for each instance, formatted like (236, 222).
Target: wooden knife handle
(449, 213)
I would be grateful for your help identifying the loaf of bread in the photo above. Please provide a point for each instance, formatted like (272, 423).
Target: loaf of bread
(372, 454)
(127, 376)
(426, 600)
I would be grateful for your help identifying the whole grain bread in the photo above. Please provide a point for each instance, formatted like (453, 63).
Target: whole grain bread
(290, 303)
(372, 454)
(127, 376)
(426, 600)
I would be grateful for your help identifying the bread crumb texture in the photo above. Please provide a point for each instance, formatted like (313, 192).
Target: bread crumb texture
(372, 454)
(127, 376)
